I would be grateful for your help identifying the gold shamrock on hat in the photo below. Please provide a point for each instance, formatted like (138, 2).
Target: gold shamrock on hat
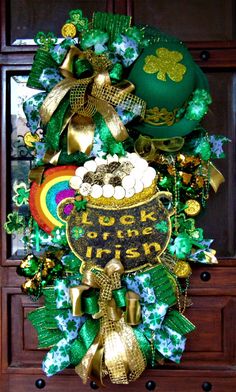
(166, 62)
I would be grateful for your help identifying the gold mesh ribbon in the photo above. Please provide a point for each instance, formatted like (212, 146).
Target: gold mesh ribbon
(89, 96)
(115, 350)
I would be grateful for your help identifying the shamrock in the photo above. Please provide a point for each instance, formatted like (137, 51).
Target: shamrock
(14, 223)
(52, 369)
(77, 232)
(182, 246)
(197, 234)
(81, 204)
(162, 227)
(198, 106)
(63, 350)
(76, 18)
(71, 325)
(154, 319)
(45, 41)
(21, 194)
(129, 53)
(165, 62)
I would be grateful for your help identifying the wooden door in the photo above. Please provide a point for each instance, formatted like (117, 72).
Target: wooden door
(209, 30)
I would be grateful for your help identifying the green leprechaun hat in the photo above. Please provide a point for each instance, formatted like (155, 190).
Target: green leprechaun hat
(175, 89)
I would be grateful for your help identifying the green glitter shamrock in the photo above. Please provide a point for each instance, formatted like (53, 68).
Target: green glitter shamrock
(76, 18)
(77, 232)
(71, 262)
(21, 194)
(45, 41)
(15, 223)
(198, 106)
(182, 246)
(162, 227)
(203, 149)
(197, 234)
(165, 62)
(81, 204)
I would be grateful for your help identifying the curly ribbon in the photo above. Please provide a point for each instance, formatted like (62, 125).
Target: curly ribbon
(87, 97)
(148, 147)
(116, 340)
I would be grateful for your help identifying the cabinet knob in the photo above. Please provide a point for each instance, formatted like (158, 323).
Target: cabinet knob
(205, 276)
(93, 385)
(40, 383)
(206, 386)
(204, 55)
(150, 385)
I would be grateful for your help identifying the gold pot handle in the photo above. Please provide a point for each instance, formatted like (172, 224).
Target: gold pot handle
(166, 198)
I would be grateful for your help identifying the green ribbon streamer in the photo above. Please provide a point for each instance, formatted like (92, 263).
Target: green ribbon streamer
(40, 320)
(111, 23)
(42, 60)
(37, 236)
(80, 346)
(119, 296)
(54, 127)
(178, 323)
(144, 345)
(163, 287)
(49, 298)
(111, 146)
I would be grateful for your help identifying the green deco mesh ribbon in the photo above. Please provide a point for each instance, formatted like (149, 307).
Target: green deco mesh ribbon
(112, 24)
(43, 320)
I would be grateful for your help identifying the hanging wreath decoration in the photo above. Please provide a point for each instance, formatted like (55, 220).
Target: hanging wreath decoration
(122, 168)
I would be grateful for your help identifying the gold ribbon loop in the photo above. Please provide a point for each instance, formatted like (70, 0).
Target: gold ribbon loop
(76, 299)
(114, 265)
(133, 308)
(80, 134)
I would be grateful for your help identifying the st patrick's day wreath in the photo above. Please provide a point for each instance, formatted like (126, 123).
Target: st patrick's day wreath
(122, 167)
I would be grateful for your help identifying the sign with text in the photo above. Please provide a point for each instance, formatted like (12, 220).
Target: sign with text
(137, 235)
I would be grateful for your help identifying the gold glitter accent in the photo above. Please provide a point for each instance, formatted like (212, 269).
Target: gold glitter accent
(186, 160)
(111, 202)
(30, 139)
(68, 30)
(186, 177)
(193, 207)
(182, 269)
(166, 62)
(156, 116)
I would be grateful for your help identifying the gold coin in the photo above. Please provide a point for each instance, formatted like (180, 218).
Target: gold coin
(68, 30)
(193, 207)
(30, 139)
(182, 269)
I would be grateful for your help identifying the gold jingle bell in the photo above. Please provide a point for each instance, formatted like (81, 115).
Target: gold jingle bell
(182, 269)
